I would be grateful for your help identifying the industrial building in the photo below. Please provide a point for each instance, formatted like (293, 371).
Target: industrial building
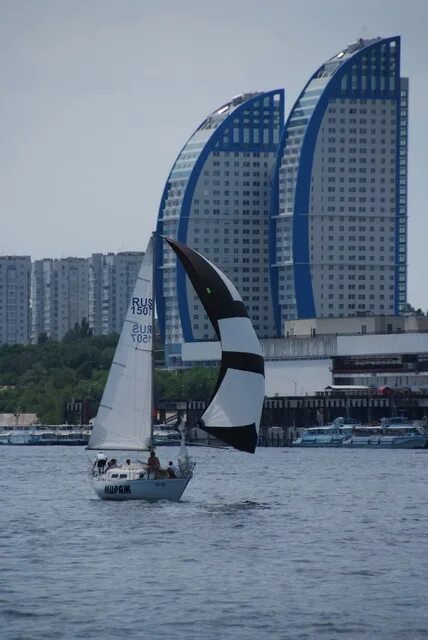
(371, 351)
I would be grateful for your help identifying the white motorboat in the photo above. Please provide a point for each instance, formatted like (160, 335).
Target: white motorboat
(20, 437)
(392, 433)
(4, 437)
(166, 436)
(331, 435)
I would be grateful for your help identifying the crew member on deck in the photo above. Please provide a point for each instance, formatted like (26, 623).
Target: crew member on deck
(112, 464)
(100, 462)
(153, 464)
(171, 470)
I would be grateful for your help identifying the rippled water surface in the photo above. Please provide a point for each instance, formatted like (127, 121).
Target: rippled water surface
(286, 544)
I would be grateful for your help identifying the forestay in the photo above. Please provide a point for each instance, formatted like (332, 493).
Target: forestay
(235, 409)
(125, 413)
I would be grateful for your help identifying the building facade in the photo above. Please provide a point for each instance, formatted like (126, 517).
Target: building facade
(338, 229)
(216, 200)
(111, 282)
(15, 278)
(356, 325)
(59, 296)
(372, 351)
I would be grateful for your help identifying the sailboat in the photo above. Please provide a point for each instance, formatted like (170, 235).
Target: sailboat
(124, 419)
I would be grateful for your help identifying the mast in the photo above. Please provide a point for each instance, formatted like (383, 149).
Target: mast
(153, 337)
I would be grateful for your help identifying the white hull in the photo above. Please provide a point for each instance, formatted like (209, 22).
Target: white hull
(141, 489)
(415, 442)
(17, 438)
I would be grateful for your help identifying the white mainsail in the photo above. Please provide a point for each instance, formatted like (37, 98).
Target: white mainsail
(124, 419)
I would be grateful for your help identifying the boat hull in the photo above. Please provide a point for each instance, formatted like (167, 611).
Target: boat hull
(417, 442)
(20, 439)
(149, 490)
(317, 444)
(166, 443)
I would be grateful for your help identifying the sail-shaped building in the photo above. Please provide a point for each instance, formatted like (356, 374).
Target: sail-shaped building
(338, 218)
(309, 218)
(216, 200)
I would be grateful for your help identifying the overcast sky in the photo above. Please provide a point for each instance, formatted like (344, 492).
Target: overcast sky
(99, 96)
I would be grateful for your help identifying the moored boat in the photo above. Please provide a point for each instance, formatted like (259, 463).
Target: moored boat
(392, 433)
(166, 436)
(20, 437)
(4, 437)
(46, 435)
(332, 435)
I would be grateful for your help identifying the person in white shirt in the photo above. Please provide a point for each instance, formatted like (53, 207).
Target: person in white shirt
(100, 462)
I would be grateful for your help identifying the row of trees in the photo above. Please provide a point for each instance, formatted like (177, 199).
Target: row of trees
(417, 312)
(42, 378)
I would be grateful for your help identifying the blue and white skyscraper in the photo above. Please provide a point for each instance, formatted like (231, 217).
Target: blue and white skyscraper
(216, 200)
(338, 231)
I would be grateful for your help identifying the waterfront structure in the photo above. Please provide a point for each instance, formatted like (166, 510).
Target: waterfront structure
(357, 325)
(380, 351)
(216, 200)
(11, 420)
(111, 283)
(15, 277)
(338, 231)
(59, 294)
(285, 417)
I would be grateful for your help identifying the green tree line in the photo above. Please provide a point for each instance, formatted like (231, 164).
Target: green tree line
(41, 378)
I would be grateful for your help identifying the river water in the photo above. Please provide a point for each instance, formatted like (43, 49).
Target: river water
(286, 544)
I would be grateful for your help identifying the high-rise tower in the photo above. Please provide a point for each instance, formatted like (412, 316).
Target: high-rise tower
(15, 277)
(112, 279)
(216, 200)
(59, 296)
(338, 232)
